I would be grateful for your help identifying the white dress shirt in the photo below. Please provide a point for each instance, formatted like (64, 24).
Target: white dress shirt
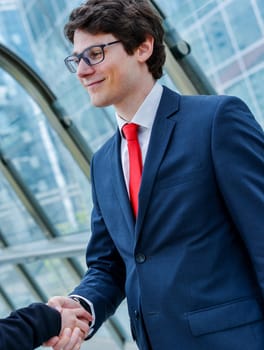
(144, 117)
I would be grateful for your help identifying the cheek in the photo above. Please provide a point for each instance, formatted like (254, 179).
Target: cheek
(117, 79)
(124, 74)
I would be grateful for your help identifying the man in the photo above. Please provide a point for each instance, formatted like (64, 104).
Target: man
(28, 327)
(189, 255)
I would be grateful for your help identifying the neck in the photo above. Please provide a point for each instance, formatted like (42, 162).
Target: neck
(128, 108)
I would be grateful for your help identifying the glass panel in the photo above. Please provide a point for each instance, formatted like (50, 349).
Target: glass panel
(11, 283)
(260, 10)
(16, 225)
(227, 41)
(256, 81)
(48, 10)
(81, 261)
(61, 4)
(44, 164)
(4, 309)
(218, 39)
(54, 276)
(244, 38)
(41, 37)
(13, 34)
(122, 316)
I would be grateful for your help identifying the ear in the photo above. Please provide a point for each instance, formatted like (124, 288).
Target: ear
(144, 51)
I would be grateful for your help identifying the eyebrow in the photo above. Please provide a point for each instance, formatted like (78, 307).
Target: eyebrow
(76, 53)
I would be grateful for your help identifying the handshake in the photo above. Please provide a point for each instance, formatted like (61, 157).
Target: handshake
(75, 324)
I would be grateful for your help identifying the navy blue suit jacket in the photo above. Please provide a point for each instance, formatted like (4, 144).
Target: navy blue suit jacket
(192, 266)
(29, 327)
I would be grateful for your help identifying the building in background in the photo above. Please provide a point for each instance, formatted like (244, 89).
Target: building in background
(227, 40)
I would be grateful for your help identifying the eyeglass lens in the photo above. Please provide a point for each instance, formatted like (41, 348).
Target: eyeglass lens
(91, 56)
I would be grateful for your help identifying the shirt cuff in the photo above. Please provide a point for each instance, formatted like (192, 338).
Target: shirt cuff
(88, 305)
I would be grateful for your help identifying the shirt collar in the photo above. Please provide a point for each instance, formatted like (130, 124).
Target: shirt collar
(146, 113)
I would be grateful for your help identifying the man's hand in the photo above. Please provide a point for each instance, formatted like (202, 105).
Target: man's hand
(74, 324)
(59, 302)
(68, 340)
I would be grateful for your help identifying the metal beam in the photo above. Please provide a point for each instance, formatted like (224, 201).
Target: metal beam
(45, 249)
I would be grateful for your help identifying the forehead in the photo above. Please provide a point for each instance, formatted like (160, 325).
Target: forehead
(83, 39)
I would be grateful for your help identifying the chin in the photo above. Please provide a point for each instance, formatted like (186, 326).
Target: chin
(100, 103)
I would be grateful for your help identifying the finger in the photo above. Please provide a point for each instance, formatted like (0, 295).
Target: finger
(79, 344)
(75, 340)
(81, 313)
(51, 342)
(63, 339)
(84, 327)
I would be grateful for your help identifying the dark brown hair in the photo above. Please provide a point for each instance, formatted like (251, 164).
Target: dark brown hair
(130, 21)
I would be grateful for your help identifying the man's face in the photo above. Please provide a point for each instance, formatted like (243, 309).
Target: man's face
(116, 79)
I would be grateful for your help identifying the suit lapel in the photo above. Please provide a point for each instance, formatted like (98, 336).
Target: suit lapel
(163, 127)
(161, 132)
(119, 183)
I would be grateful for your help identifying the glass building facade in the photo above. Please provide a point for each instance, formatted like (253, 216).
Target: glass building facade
(46, 147)
(227, 40)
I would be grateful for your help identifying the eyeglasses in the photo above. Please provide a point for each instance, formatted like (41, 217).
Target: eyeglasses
(92, 55)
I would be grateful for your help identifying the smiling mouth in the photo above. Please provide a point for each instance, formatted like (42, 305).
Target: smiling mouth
(93, 83)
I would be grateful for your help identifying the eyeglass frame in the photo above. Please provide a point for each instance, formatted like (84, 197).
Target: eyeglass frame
(86, 59)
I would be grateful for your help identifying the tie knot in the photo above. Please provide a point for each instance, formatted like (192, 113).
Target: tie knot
(130, 131)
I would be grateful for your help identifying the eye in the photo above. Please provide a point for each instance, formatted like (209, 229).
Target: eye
(95, 54)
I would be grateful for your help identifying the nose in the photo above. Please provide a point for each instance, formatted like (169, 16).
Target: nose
(84, 69)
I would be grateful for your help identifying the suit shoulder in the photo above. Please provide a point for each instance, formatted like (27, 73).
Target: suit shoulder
(210, 100)
(197, 104)
(211, 106)
(104, 149)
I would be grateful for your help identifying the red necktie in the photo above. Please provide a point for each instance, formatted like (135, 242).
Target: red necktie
(135, 163)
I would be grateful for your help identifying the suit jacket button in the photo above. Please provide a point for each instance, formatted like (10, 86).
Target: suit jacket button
(136, 314)
(140, 258)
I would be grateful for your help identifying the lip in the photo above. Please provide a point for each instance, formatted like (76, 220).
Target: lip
(92, 83)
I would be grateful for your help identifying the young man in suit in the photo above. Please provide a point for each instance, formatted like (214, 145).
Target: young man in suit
(189, 254)
(28, 327)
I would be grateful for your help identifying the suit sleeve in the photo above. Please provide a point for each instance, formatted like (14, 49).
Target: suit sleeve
(29, 327)
(103, 284)
(238, 155)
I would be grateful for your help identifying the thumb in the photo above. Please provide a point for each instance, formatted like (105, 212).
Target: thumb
(58, 308)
